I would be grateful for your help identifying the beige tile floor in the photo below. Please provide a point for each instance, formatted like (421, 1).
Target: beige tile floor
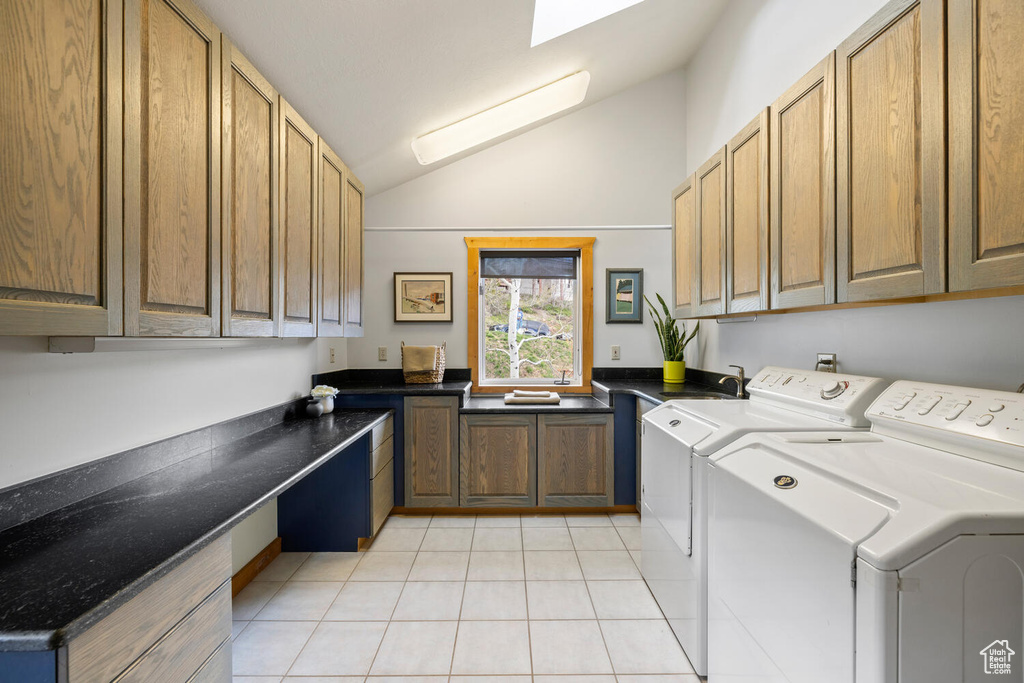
(547, 599)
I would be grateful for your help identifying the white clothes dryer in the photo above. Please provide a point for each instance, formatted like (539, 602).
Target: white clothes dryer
(676, 441)
(893, 556)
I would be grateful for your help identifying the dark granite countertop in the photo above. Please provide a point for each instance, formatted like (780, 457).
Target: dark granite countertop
(64, 571)
(392, 382)
(578, 403)
(454, 388)
(658, 391)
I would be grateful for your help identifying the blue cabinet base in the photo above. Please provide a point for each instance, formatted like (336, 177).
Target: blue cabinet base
(28, 667)
(328, 510)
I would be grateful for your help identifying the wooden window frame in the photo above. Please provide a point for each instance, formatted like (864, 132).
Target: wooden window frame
(585, 245)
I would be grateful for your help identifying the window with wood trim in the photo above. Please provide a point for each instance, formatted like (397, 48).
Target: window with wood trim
(530, 303)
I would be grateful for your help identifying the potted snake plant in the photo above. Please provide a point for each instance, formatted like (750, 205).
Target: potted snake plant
(673, 342)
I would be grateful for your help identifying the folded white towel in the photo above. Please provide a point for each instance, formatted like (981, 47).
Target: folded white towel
(537, 394)
(552, 398)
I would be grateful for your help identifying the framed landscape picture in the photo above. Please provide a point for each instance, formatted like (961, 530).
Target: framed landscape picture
(625, 296)
(423, 297)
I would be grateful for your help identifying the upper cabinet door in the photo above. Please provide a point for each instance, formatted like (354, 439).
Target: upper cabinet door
(299, 228)
(60, 186)
(249, 243)
(890, 164)
(746, 224)
(684, 227)
(332, 244)
(803, 191)
(986, 148)
(353, 256)
(709, 182)
(172, 177)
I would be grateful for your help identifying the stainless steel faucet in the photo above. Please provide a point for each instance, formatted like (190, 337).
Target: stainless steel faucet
(738, 377)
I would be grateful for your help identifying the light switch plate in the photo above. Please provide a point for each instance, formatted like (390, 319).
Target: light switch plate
(616, 352)
(332, 355)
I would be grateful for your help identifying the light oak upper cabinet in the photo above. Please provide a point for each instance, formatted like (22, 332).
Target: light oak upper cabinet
(299, 162)
(709, 285)
(746, 218)
(332, 243)
(172, 173)
(803, 191)
(353, 255)
(684, 226)
(986, 148)
(249, 241)
(60, 187)
(890, 157)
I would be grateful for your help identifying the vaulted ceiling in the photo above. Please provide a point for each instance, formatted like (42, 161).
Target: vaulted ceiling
(371, 75)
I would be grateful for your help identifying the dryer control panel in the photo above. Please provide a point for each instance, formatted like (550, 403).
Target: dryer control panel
(837, 397)
(962, 418)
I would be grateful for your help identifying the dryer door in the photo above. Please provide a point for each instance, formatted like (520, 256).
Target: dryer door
(782, 542)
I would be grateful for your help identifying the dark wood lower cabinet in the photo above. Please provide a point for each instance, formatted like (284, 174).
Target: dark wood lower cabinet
(431, 448)
(498, 461)
(575, 460)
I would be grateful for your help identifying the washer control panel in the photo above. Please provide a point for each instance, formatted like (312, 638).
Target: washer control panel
(837, 397)
(992, 415)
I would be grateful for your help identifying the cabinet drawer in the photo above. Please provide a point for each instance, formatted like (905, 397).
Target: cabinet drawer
(217, 668)
(382, 489)
(382, 431)
(381, 456)
(184, 650)
(106, 649)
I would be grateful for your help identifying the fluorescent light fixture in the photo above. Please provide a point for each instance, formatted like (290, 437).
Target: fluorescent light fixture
(504, 118)
(553, 18)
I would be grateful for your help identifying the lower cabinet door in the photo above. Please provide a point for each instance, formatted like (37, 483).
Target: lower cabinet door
(431, 451)
(575, 460)
(498, 460)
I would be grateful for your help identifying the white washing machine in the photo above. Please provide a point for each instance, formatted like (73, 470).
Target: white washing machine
(678, 436)
(892, 556)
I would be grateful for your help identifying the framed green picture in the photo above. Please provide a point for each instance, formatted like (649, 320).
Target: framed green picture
(625, 295)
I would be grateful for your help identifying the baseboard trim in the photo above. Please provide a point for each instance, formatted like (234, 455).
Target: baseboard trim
(254, 566)
(612, 509)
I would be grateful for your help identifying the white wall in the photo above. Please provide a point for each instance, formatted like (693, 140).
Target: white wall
(57, 411)
(757, 50)
(612, 163)
(606, 171)
(388, 251)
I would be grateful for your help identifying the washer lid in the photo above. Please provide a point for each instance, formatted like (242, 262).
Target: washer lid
(713, 425)
(935, 496)
(845, 511)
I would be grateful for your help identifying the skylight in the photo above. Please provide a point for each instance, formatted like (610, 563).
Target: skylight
(553, 18)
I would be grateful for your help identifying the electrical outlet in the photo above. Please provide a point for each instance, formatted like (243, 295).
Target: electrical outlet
(616, 352)
(332, 355)
(382, 353)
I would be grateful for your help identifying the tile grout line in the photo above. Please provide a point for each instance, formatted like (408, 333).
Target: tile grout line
(526, 597)
(387, 628)
(586, 584)
(458, 623)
